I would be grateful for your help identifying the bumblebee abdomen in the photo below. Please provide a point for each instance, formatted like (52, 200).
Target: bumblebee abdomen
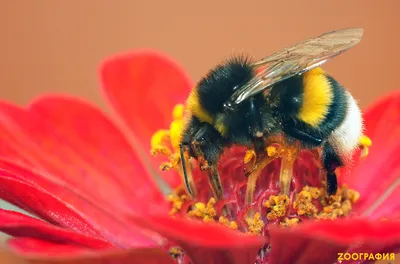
(325, 102)
(317, 98)
(345, 138)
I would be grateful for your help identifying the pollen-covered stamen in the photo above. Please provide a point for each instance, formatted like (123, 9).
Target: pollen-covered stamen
(276, 149)
(277, 206)
(288, 156)
(259, 165)
(255, 224)
(249, 160)
(168, 143)
(176, 200)
(225, 221)
(364, 142)
(159, 143)
(206, 212)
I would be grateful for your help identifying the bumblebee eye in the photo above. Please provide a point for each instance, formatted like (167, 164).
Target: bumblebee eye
(228, 107)
(296, 101)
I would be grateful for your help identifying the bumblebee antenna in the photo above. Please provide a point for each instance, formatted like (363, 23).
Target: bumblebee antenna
(185, 174)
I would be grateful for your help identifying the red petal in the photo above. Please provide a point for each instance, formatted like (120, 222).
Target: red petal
(206, 243)
(34, 141)
(382, 120)
(143, 87)
(94, 149)
(16, 224)
(377, 180)
(40, 252)
(58, 205)
(35, 246)
(320, 242)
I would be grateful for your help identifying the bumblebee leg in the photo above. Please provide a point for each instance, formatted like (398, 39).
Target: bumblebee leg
(186, 171)
(207, 146)
(331, 162)
(331, 183)
(250, 158)
(254, 120)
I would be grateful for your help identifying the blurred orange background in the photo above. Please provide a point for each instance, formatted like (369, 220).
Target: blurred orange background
(56, 46)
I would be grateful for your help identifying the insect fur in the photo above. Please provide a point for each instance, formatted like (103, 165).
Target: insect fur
(240, 102)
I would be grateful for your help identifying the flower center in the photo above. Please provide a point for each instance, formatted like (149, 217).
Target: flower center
(281, 185)
(309, 203)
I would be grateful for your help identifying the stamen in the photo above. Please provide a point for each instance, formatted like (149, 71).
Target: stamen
(231, 224)
(287, 161)
(303, 203)
(167, 142)
(176, 202)
(204, 211)
(177, 126)
(277, 206)
(178, 111)
(365, 142)
(249, 160)
(175, 252)
(256, 170)
(173, 163)
(290, 222)
(255, 224)
(159, 143)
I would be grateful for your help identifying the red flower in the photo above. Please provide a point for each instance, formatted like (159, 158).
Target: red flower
(90, 179)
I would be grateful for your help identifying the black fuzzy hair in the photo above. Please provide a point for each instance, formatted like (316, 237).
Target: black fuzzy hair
(221, 81)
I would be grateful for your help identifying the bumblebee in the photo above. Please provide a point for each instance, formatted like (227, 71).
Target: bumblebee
(287, 93)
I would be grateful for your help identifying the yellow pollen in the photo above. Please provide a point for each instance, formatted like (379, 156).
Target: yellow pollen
(256, 225)
(177, 112)
(231, 224)
(159, 143)
(166, 142)
(204, 211)
(176, 202)
(365, 142)
(174, 161)
(175, 252)
(249, 156)
(289, 222)
(176, 129)
(303, 202)
(271, 151)
(277, 206)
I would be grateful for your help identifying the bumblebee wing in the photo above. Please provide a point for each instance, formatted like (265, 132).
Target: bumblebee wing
(295, 60)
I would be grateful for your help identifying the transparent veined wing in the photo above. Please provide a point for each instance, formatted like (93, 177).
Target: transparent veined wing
(295, 60)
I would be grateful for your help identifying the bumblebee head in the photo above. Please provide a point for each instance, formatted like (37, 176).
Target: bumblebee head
(218, 85)
(228, 107)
